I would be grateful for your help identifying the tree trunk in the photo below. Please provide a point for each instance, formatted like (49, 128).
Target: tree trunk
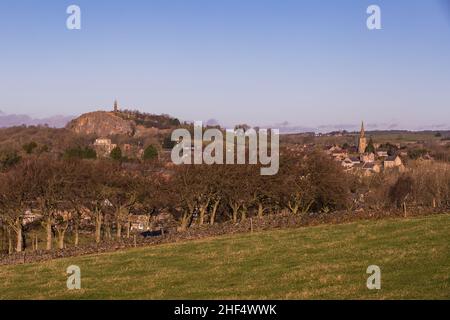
(119, 228)
(61, 229)
(202, 216)
(19, 242)
(10, 241)
(235, 208)
(203, 210)
(76, 241)
(306, 209)
(48, 228)
(36, 242)
(185, 220)
(243, 213)
(3, 239)
(128, 227)
(61, 235)
(235, 215)
(294, 208)
(98, 226)
(108, 230)
(260, 210)
(212, 219)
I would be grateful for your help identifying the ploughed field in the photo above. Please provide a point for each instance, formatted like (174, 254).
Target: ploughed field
(316, 262)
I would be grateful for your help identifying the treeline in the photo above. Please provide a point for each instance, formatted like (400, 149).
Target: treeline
(424, 184)
(150, 120)
(100, 197)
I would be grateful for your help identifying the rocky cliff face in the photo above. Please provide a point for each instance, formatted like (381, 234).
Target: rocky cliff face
(102, 124)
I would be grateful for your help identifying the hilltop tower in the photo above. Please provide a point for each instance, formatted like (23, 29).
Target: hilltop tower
(362, 143)
(116, 106)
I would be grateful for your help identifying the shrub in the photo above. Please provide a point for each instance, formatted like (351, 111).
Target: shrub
(401, 190)
(29, 147)
(370, 147)
(116, 154)
(415, 154)
(8, 158)
(150, 153)
(329, 181)
(80, 153)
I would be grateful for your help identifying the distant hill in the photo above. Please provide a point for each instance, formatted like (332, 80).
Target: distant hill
(101, 123)
(130, 123)
(123, 127)
(12, 120)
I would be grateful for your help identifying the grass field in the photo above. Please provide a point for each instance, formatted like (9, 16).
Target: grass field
(317, 262)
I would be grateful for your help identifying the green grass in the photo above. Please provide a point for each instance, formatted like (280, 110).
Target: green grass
(317, 262)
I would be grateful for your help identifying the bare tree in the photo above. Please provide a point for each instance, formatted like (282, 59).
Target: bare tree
(296, 189)
(17, 188)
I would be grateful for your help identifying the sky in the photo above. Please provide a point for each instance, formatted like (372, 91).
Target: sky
(304, 63)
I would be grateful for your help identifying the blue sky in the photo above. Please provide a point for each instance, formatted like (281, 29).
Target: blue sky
(307, 62)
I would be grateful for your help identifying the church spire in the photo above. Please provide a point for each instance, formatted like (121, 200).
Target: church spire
(362, 141)
(363, 133)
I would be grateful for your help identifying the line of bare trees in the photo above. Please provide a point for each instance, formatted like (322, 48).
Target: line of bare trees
(64, 192)
(67, 193)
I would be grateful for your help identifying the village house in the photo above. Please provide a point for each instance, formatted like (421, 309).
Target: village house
(347, 163)
(367, 158)
(355, 160)
(103, 147)
(142, 223)
(340, 155)
(139, 223)
(332, 149)
(336, 152)
(370, 168)
(427, 157)
(392, 162)
(382, 154)
(30, 217)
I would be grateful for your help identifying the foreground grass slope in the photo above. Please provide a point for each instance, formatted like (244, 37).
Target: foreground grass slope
(316, 262)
